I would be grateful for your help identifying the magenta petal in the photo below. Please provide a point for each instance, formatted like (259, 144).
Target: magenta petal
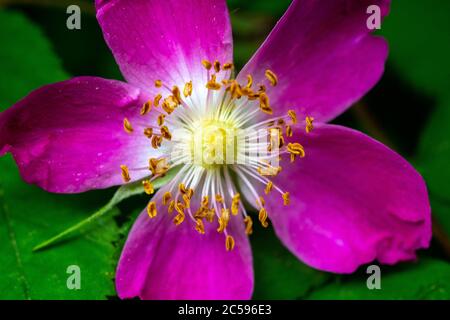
(69, 136)
(164, 261)
(165, 40)
(324, 56)
(353, 200)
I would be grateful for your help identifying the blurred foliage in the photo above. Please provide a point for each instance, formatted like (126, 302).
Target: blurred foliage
(428, 279)
(419, 36)
(433, 160)
(409, 110)
(278, 274)
(419, 42)
(423, 61)
(24, 52)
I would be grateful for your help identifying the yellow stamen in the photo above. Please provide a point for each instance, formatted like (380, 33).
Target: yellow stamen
(227, 66)
(249, 81)
(210, 215)
(171, 206)
(179, 218)
(161, 118)
(236, 90)
(264, 103)
(273, 79)
(200, 213)
(293, 116)
(158, 83)
(269, 187)
(248, 225)
(146, 108)
(206, 64)
(156, 100)
(223, 220)
(199, 226)
(216, 66)
(166, 133)
(309, 124)
(148, 132)
(235, 204)
(176, 94)
(286, 198)
(169, 104)
(151, 209)
(187, 91)
(212, 84)
(247, 92)
(182, 188)
(127, 126)
(148, 187)
(296, 149)
(179, 207)
(187, 201)
(253, 96)
(205, 202)
(262, 216)
(125, 173)
(229, 243)
(288, 131)
(158, 166)
(156, 142)
(269, 171)
(166, 197)
(219, 198)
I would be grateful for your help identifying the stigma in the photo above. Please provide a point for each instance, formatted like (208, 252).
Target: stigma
(219, 149)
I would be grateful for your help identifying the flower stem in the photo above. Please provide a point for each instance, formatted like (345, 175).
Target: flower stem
(122, 193)
(75, 227)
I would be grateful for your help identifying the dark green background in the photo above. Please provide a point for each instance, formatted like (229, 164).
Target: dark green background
(409, 110)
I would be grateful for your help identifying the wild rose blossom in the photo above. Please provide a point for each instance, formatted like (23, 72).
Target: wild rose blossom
(337, 198)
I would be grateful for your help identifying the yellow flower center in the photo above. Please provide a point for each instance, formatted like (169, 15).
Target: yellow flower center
(214, 143)
(221, 146)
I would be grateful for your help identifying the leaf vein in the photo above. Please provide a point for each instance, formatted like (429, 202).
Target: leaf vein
(12, 238)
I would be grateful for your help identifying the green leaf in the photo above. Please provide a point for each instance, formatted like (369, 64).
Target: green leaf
(419, 42)
(26, 59)
(427, 279)
(29, 215)
(121, 194)
(279, 274)
(433, 161)
(419, 49)
(434, 151)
